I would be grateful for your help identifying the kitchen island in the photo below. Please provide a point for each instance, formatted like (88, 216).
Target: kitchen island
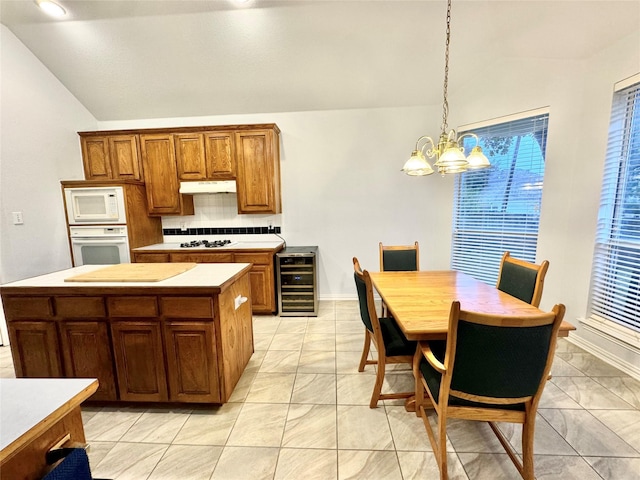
(186, 338)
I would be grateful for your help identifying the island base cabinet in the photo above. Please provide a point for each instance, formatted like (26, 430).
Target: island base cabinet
(137, 347)
(34, 347)
(86, 353)
(192, 362)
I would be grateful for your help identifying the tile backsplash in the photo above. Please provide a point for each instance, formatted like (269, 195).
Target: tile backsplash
(218, 214)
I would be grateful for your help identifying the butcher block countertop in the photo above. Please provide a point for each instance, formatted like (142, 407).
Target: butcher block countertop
(215, 276)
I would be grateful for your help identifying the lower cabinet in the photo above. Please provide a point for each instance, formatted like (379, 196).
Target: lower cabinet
(34, 346)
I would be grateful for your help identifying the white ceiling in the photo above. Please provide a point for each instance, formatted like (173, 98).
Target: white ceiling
(136, 59)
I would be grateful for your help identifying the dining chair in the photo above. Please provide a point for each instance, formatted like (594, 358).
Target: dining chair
(394, 258)
(522, 279)
(398, 258)
(385, 334)
(495, 368)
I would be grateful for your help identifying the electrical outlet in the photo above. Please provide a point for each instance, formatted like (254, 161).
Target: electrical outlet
(183, 226)
(17, 218)
(270, 228)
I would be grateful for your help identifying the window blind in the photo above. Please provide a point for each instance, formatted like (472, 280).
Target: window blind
(615, 278)
(498, 209)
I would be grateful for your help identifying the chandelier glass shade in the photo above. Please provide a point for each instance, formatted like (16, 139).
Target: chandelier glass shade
(449, 152)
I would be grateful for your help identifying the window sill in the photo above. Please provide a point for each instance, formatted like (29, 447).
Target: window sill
(611, 329)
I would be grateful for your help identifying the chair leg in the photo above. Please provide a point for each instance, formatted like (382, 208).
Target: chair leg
(365, 350)
(377, 388)
(442, 446)
(528, 430)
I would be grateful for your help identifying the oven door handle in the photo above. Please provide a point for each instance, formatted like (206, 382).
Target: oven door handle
(114, 240)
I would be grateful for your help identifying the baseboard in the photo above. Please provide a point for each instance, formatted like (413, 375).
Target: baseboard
(603, 354)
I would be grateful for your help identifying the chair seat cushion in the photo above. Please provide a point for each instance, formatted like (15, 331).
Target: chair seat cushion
(433, 379)
(395, 343)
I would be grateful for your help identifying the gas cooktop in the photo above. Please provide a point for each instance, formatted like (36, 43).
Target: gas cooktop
(207, 244)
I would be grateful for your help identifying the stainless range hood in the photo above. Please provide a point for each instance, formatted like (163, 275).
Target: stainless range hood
(221, 186)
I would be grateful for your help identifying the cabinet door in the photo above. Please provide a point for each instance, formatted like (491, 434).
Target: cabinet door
(192, 366)
(257, 172)
(96, 159)
(220, 155)
(161, 177)
(125, 157)
(137, 347)
(86, 352)
(34, 346)
(262, 292)
(190, 156)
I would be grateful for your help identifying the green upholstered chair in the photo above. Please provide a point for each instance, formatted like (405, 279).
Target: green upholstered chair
(391, 344)
(522, 279)
(394, 258)
(494, 370)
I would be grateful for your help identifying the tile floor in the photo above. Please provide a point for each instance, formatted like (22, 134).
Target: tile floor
(300, 411)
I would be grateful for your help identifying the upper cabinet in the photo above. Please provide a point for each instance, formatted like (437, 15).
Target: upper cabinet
(258, 180)
(164, 157)
(111, 157)
(161, 177)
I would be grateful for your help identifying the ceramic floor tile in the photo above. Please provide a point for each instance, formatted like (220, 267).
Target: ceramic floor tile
(407, 430)
(354, 465)
(293, 326)
(347, 362)
(625, 387)
(560, 368)
(130, 461)
(111, 423)
(310, 426)
(350, 327)
(615, 468)
(350, 342)
(551, 467)
(546, 440)
(312, 361)
(589, 394)
(554, 397)
(355, 389)
(423, 465)
(589, 365)
(280, 361)
(259, 425)
(262, 341)
(363, 428)
(264, 324)
(187, 462)
(88, 412)
(624, 423)
(318, 388)
(319, 341)
(255, 361)
(209, 427)
(241, 390)
(471, 436)
(315, 325)
(295, 463)
(246, 463)
(157, 426)
(586, 434)
(287, 341)
(494, 466)
(97, 451)
(564, 345)
(271, 388)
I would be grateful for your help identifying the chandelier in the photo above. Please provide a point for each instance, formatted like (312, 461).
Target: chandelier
(448, 151)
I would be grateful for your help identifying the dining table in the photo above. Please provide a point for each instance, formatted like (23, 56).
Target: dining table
(420, 301)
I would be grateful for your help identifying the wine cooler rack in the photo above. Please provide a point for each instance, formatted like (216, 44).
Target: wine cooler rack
(297, 281)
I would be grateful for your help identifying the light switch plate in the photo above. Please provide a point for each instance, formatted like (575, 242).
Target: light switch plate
(17, 218)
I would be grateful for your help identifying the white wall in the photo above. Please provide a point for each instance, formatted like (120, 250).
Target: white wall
(38, 147)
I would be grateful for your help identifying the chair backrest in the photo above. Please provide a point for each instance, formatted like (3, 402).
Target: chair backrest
(365, 297)
(500, 356)
(395, 258)
(522, 279)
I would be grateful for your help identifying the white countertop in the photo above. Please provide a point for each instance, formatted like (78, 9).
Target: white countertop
(202, 275)
(243, 245)
(28, 401)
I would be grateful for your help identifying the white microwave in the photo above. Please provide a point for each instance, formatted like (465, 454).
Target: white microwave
(95, 205)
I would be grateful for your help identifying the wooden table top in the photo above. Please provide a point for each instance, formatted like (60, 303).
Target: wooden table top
(421, 301)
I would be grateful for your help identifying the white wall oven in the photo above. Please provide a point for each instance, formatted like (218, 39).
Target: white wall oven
(95, 205)
(99, 245)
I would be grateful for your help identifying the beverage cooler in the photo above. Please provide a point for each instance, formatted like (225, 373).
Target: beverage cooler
(297, 281)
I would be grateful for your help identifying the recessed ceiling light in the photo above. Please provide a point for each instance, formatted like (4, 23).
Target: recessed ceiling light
(51, 8)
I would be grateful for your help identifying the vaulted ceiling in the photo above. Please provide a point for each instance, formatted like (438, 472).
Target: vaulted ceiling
(135, 59)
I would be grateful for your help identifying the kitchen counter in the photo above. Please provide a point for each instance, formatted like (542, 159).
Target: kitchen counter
(30, 428)
(185, 339)
(240, 246)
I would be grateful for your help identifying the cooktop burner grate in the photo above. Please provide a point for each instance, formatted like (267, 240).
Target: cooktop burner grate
(207, 243)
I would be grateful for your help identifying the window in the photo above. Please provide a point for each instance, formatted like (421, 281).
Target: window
(615, 279)
(498, 208)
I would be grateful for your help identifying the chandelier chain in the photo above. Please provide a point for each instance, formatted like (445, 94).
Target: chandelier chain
(445, 103)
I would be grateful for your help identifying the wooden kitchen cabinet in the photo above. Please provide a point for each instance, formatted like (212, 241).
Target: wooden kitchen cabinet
(202, 257)
(258, 163)
(35, 349)
(190, 156)
(161, 176)
(86, 353)
(111, 157)
(150, 257)
(139, 359)
(205, 156)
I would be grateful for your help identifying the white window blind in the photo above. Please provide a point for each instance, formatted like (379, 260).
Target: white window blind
(615, 278)
(498, 209)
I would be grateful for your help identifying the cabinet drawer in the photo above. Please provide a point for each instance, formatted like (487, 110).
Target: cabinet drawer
(132, 307)
(27, 307)
(202, 257)
(151, 257)
(80, 307)
(187, 307)
(257, 258)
